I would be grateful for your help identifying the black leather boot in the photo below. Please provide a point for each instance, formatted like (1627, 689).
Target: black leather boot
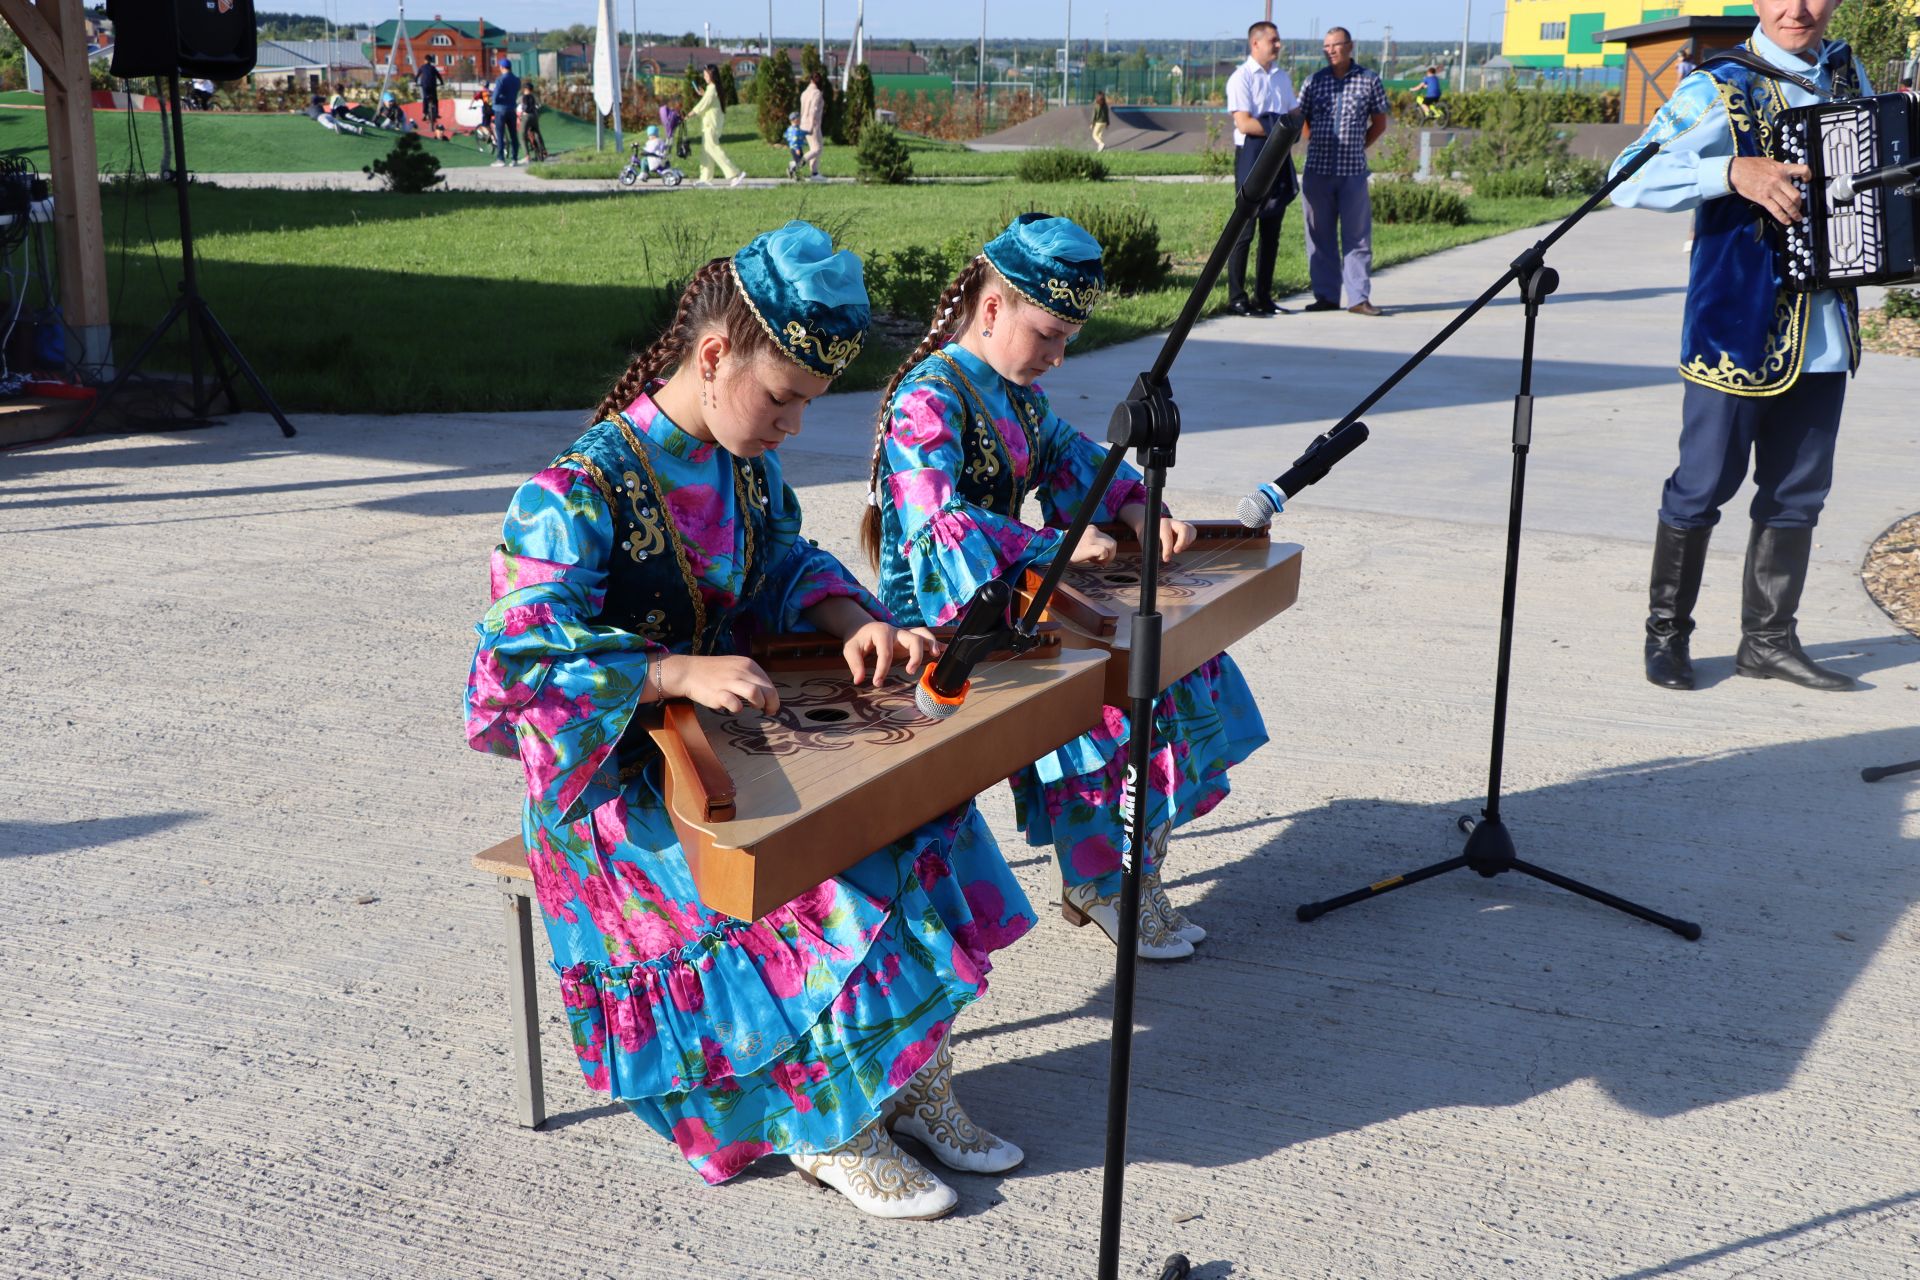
(1679, 556)
(1770, 597)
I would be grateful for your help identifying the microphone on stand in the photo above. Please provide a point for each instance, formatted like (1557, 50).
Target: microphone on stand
(983, 627)
(1843, 188)
(1258, 508)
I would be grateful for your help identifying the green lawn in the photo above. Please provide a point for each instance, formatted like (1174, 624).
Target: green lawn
(931, 158)
(470, 301)
(233, 142)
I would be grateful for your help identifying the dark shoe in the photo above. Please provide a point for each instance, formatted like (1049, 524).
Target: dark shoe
(1365, 309)
(1321, 304)
(1679, 556)
(1268, 307)
(1770, 597)
(1240, 307)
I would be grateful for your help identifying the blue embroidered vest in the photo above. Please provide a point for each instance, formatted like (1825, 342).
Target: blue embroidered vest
(650, 584)
(1745, 333)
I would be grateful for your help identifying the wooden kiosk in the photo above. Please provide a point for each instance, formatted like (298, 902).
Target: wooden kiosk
(1654, 50)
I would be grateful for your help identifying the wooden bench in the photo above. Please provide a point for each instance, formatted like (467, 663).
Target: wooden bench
(508, 862)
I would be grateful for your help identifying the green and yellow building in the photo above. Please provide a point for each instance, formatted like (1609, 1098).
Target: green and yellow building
(1559, 33)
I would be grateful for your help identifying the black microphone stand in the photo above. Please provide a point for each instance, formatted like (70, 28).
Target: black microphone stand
(1148, 421)
(1489, 849)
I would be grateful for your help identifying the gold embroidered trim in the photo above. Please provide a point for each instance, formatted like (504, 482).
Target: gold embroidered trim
(594, 474)
(836, 353)
(687, 577)
(1056, 314)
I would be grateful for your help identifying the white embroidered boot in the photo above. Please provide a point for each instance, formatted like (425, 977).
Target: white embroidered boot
(1083, 904)
(878, 1177)
(1154, 892)
(927, 1111)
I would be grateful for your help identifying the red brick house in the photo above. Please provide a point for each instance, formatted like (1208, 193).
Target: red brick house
(462, 50)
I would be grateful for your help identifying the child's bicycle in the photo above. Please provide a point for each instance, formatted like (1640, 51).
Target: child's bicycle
(1436, 113)
(637, 171)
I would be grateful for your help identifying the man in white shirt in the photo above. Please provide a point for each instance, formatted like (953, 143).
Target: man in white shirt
(1258, 93)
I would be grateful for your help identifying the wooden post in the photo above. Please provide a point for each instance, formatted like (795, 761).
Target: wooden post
(56, 32)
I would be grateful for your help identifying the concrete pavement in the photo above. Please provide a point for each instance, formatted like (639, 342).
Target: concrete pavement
(258, 1027)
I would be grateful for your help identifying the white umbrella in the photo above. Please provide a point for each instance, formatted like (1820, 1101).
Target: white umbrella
(606, 71)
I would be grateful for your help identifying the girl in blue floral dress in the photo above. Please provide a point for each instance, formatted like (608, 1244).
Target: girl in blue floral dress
(637, 566)
(965, 436)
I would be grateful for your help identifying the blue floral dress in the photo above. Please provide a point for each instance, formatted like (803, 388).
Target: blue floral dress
(962, 451)
(732, 1038)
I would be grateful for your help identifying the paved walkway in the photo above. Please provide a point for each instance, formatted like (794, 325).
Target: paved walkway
(256, 1022)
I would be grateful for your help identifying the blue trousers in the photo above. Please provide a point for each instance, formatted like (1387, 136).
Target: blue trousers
(503, 129)
(1790, 437)
(1339, 235)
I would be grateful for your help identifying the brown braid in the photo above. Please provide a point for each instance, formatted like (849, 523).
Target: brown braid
(711, 300)
(951, 314)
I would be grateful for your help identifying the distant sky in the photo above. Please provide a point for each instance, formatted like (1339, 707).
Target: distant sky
(901, 19)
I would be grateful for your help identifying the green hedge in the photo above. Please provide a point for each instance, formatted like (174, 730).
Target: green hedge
(1057, 164)
(1418, 202)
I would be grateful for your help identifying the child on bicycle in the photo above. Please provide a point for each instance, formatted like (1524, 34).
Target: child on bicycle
(655, 151)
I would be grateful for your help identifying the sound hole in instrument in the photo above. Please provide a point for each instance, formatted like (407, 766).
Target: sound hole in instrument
(827, 713)
(1122, 582)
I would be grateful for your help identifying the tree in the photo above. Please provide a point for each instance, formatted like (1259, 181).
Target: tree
(774, 95)
(859, 113)
(1879, 34)
(729, 91)
(696, 85)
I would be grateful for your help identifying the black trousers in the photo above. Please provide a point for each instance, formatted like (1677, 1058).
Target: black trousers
(1269, 229)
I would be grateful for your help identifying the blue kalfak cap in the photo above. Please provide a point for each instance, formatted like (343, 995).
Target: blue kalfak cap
(810, 298)
(1053, 263)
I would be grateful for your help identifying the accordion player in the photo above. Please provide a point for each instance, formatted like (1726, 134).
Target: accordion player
(1872, 237)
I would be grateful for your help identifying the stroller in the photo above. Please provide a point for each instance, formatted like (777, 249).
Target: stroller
(649, 161)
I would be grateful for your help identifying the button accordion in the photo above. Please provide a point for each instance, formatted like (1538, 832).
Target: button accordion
(1875, 239)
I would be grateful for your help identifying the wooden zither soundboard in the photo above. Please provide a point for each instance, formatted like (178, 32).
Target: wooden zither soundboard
(1218, 590)
(768, 807)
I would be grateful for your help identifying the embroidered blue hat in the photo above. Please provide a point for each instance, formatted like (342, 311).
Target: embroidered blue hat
(1053, 262)
(811, 300)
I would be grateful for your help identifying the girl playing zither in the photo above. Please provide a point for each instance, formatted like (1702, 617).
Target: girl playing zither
(638, 566)
(965, 437)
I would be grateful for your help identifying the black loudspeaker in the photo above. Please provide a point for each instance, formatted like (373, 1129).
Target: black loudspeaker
(211, 38)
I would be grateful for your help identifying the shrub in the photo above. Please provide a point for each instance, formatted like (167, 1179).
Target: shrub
(881, 156)
(1903, 304)
(1057, 164)
(1418, 202)
(1516, 133)
(408, 169)
(1130, 253)
(856, 115)
(907, 282)
(1569, 176)
(774, 96)
(1215, 161)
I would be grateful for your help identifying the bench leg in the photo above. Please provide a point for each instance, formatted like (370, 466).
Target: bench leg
(529, 1092)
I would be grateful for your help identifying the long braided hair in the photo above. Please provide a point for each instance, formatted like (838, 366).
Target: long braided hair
(710, 300)
(951, 314)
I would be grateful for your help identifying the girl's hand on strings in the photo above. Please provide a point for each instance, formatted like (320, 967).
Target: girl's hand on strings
(1175, 535)
(884, 644)
(720, 683)
(1094, 547)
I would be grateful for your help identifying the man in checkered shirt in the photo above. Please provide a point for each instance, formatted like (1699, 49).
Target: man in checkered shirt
(1346, 111)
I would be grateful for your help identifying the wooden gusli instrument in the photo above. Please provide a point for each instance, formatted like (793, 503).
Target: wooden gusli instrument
(768, 807)
(1222, 587)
